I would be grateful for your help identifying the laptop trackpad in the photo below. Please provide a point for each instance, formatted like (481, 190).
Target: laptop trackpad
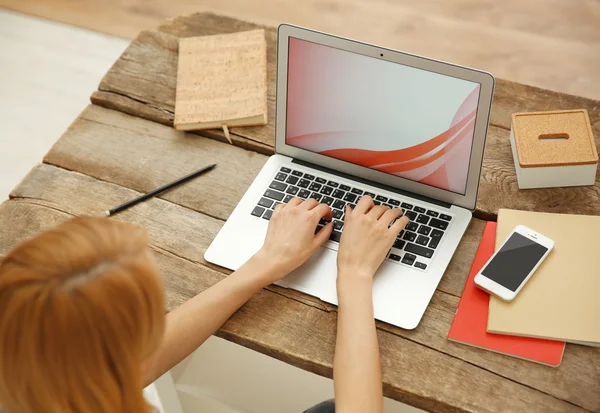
(316, 277)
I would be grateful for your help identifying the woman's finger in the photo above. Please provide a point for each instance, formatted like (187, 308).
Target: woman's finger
(278, 208)
(348, 213)
(323, 235)
(399, 225)
(390, 215)
(310, 203)
(364, 205)
(322, 211)
(294, 202)
(377, 211)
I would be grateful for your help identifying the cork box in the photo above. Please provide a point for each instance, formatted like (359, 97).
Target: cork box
(553, 149)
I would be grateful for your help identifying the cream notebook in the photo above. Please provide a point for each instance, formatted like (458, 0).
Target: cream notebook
(221, 81)
(561, 301)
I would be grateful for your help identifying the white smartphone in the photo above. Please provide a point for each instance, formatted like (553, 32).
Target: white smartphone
(514, 263)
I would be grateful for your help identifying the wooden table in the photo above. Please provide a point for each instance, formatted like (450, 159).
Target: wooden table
(123, 144)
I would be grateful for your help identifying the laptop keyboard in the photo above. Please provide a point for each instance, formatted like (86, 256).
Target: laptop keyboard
(415, 246)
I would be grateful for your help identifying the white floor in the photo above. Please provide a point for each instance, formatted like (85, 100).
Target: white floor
(47, 73)
(222, 377)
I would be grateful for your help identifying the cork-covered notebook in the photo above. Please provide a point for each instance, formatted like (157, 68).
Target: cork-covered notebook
(222, 81)
(470, 322)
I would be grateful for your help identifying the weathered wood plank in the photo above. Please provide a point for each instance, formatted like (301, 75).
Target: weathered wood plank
(151, 77)
(298, 334)
(498, 183)
(457, 272)
(129, 106)
(143, 155)
(51, 186)
(498, 187)
(178, 230)
(511, 97)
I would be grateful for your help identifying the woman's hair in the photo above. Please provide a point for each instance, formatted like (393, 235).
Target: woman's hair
(81, 307)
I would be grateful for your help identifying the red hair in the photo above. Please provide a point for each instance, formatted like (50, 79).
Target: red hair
(81, 307)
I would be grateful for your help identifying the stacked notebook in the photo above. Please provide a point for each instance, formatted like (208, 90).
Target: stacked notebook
(471, 320)
(558, 304)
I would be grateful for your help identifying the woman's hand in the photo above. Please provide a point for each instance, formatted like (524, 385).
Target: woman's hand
(369, 233)
(290, 241)
(291, 238)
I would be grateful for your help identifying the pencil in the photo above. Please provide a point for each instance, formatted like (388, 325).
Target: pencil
(159, 190)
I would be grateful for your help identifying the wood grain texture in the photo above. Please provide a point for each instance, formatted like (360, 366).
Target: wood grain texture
(498, 184)
(547, 43)
(510, 97)
(142, 155)
(49, 188)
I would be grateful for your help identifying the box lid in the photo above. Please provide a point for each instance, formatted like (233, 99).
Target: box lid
(556, 138)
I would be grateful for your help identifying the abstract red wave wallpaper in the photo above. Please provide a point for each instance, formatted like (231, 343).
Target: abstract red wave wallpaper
(389, 117)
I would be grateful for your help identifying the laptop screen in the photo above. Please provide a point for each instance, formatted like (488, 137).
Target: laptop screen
(382, 115)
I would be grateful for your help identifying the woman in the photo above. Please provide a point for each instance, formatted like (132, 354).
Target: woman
(82, 325)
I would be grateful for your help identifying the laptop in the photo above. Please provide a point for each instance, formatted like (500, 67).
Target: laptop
(355, 119)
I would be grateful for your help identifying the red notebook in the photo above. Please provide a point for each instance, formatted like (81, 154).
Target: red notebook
(470, 322)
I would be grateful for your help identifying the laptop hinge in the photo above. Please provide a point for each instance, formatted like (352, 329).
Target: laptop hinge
(371, 183)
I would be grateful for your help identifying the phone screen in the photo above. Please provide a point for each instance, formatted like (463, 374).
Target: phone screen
(515, 260)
